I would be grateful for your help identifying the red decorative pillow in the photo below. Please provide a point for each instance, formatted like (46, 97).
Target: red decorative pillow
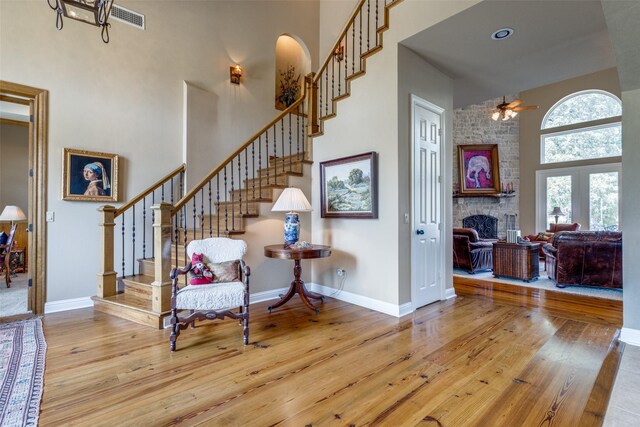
(200, 273)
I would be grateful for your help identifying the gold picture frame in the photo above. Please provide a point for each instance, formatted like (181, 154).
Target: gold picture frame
(89, 176)
(479, 169)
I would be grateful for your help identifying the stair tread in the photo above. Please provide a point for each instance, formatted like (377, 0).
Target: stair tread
(130, 301)
(140, 279)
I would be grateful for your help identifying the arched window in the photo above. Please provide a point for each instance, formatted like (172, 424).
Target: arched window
(584, 125)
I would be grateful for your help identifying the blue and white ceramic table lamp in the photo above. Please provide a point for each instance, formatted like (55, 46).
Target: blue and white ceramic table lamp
(292, 200)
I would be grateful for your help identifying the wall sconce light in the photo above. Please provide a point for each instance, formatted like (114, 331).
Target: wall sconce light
(338, 54)
(235, 73)
(94, 12)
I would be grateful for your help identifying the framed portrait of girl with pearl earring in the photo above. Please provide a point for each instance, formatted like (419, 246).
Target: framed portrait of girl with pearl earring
(90, 176)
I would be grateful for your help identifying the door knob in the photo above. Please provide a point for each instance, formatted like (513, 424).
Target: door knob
(419, 232)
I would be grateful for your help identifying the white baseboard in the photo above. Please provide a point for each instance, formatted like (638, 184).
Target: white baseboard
(373, 304)
(67, 304)
(630, 336)
(449, 293)
(267, 295)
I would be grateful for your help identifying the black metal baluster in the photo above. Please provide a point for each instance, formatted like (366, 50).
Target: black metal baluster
(260, 166)
(210, 211)
(253, 160)
(377, 22)
(326, 98)
(171, 187)
(360, 31)
(184, 233)
(233, 199)
(246, 181)
(153, 219)
(123, 275)
(218, 204)
(353, 48)
(144, 227)
(226, 217)
(194, 215)
(340, 72)
(133, 239)
(368, 24)
(201, 214)
(346, 59)
(290, 146)
(282, 146)
(298, 133)
(320, 90)
(162, 195)
(275, 154)
(333, 80)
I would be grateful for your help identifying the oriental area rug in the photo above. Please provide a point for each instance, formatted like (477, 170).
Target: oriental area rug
(22, 353)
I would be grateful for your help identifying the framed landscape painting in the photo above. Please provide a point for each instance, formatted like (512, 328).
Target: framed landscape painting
(479, 169)
(349, 187)
(89, 176)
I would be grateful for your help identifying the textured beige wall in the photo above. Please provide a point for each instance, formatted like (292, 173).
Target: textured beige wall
(530, 122)
(126, 97)
(14, 166)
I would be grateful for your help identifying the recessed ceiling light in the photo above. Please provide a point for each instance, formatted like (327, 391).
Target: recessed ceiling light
(502, 33)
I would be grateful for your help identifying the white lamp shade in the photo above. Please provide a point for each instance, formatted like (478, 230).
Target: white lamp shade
(292, 199)
(12, 213)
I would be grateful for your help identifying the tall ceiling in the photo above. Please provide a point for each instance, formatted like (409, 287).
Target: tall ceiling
(552, 41)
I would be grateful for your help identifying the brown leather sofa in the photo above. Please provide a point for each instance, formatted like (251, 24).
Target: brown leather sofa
(470, 252)
(585, 258)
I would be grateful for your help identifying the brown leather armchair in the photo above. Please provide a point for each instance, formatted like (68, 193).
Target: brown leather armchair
(470, 252)
(585, 258)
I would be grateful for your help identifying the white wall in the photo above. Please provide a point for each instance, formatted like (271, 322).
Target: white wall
(126, 97)
(369, 121)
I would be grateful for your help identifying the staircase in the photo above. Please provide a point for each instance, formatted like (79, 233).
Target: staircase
(222, 202)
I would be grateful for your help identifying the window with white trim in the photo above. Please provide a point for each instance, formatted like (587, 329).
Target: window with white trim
(582, 126)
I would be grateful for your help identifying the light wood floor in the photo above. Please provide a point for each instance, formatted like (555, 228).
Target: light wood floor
(468, 361)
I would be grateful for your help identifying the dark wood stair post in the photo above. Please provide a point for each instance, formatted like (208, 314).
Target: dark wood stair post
(161, 286)
(106, 280)
(312, 111)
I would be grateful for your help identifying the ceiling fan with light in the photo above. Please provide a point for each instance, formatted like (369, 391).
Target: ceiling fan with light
(506, 111)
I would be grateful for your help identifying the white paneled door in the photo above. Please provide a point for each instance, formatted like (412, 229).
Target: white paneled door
(426, 241)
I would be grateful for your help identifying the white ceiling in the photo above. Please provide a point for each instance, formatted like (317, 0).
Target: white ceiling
(553, 41)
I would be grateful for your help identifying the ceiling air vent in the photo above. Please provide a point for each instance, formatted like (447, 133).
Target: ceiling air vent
(127, 16)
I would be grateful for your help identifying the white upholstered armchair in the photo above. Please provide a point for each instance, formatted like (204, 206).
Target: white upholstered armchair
(227, 296)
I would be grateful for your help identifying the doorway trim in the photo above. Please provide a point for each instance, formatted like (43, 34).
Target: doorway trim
(418, 101)
(38, 145)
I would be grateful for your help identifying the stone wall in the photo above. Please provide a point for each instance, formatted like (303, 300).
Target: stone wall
(473, 125)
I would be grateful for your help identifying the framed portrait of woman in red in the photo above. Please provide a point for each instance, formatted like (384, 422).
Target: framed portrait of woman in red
(89, 176)
(479, 169)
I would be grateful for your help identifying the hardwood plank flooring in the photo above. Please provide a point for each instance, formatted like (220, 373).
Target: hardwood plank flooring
(470, 361)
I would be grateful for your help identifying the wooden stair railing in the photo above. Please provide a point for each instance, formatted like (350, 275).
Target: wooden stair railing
(360, 38)
(134, 220)
(219, 203)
